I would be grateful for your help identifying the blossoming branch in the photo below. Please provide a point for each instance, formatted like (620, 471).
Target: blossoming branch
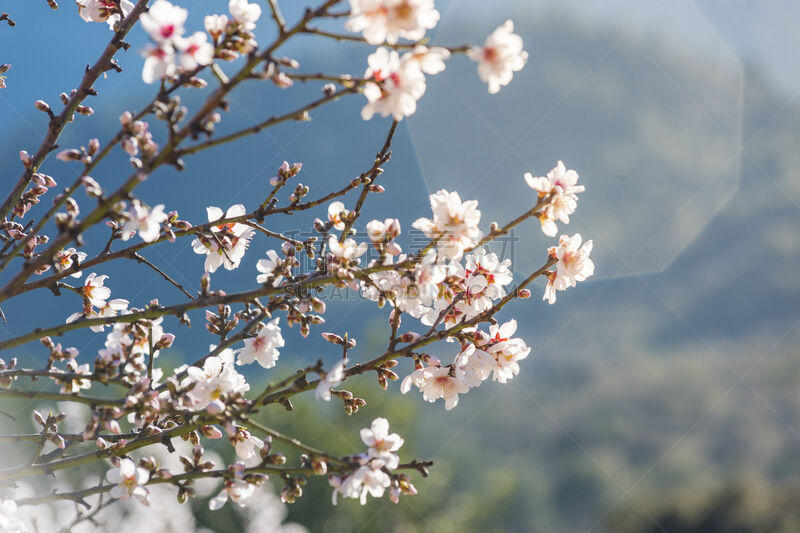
(448, 290)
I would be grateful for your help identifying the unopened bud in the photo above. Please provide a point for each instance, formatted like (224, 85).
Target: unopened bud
(42, 106)
(332, 337)
(69, 155)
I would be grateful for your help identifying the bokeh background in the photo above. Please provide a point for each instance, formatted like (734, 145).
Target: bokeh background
(662, 395)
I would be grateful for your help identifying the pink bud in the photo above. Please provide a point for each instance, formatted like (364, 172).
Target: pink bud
(211, 432)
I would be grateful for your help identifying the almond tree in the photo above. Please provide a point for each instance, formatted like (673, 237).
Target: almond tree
(450, 289)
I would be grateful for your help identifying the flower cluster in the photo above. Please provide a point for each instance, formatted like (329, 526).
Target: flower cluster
(374, 475)
(454, 286)
(96, 303)
(384, 21)
(561, 185)
(227, 242)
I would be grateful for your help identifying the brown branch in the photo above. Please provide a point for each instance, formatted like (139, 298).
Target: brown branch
(103, 64)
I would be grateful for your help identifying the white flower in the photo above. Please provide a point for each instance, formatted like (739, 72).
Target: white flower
(382, 444)
(94, 291)
(561, 183)
(456, 222)
(237, 490)
(10, 519)
(164, 21)
(331, 378)
(215, 25)
(74, 385)
(246, 445)
(159, 63)
(217, 377)
(436, 382)
(263, 347)
(144, 220)
(573, 265)
(476, 365)
(229, 241)
(195, 50)
(380, 232)
(344, 255)
(499, 57)
(505, 350)
(395, 85)
(267, 267)
(368, 479)
(103, 11)
(387, 20)
(244, 13)
(129, 480)
(485, 276)
(430, 60)
(109, 309)
(336, 215)
(63, 260)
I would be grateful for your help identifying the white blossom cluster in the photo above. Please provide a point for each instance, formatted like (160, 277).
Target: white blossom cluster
(374, 475)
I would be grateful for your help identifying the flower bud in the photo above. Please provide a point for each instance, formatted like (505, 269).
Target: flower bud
(42, 106)
(332, 337)
(68, 155)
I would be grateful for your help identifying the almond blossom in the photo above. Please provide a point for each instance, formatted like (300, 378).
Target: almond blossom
(103, 11)
(247, 446)
(367, 479)
(244, 13)
(63, 260)
(268, 268)
(344, 255)
(475, 364)
(129, 480)
(74, 385)
(561, 183)
(164, 21)
(217, 378)
(396, 85)
(227, 243)
(215, 25)
(195, 50)
(159, 62)
(437, 382)
(336, 215)
(573, 265)
(454, 224)
(145, 220)
(430, 60)
(382, 444)
(237, 490)
(93, 290)
(505, 350)
(331, 378)
(387, 20)
(263, 347)
(499, 57)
